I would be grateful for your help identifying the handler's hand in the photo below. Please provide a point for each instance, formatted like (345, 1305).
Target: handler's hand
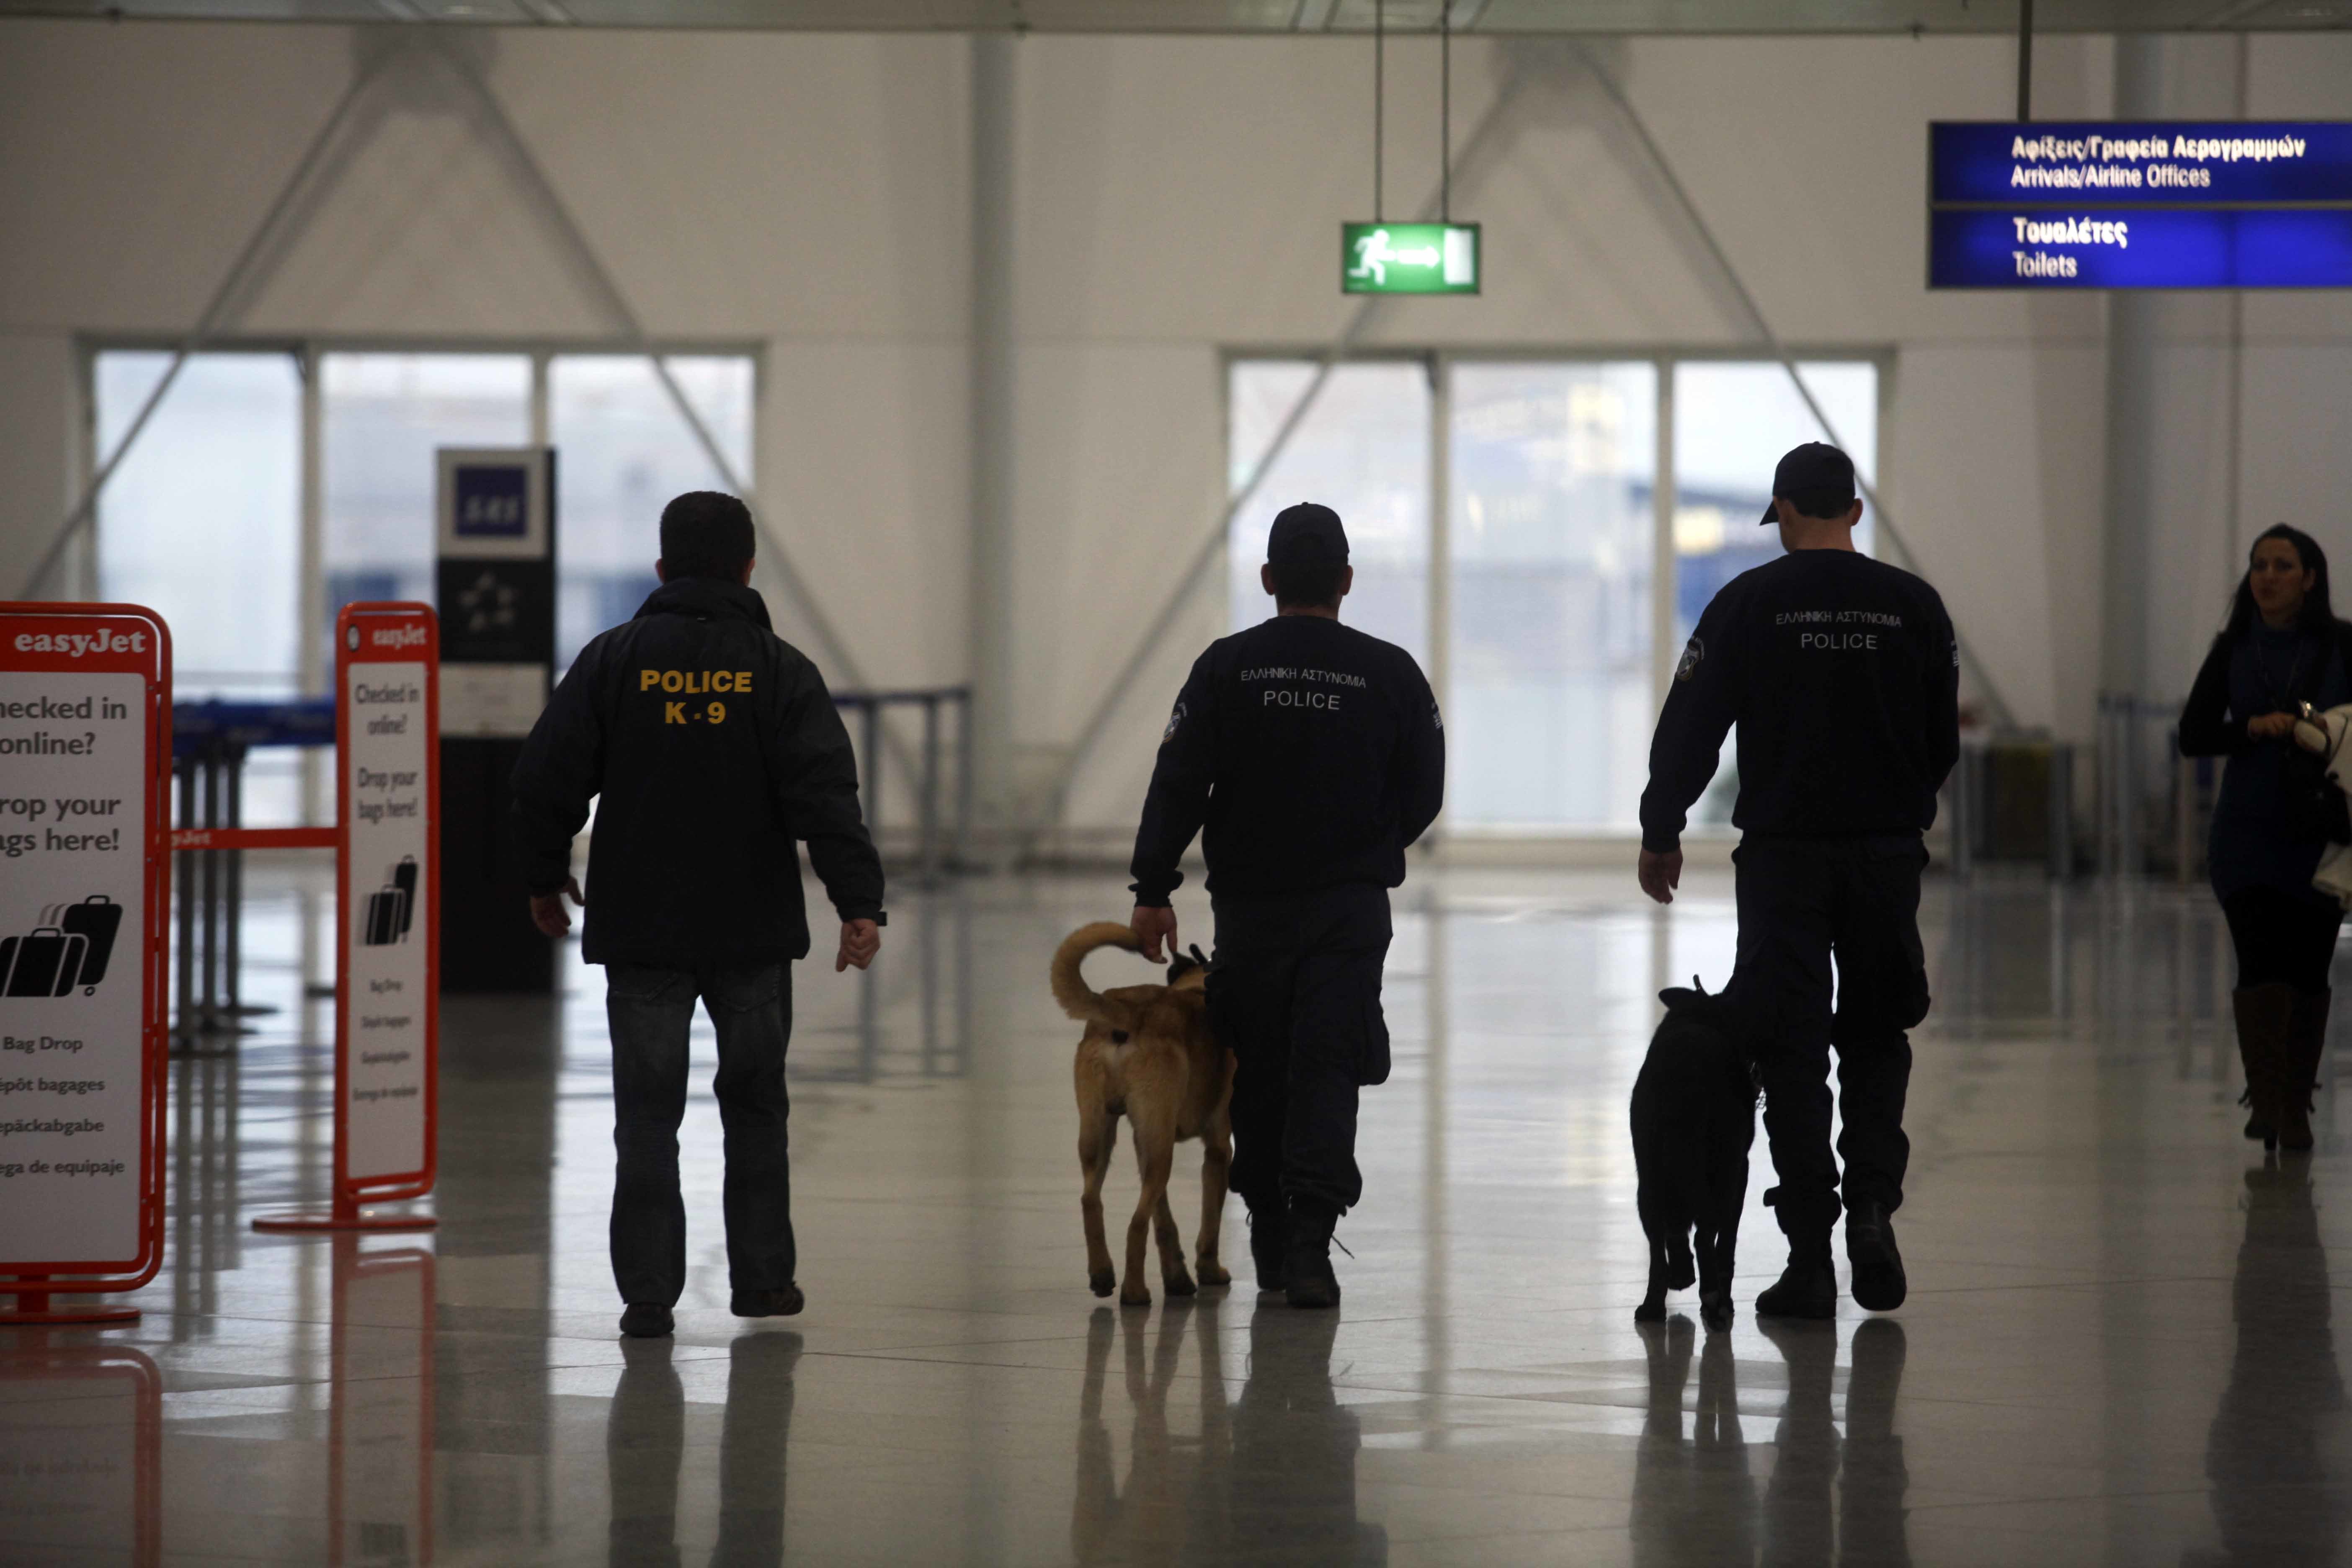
(547, 909)
(860, 941)
(1154, 925)
(1661, 875)
(2271, 726)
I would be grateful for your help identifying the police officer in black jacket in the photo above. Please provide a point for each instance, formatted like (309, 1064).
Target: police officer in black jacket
(710, 746)
(1843, 674)
(1308, 755)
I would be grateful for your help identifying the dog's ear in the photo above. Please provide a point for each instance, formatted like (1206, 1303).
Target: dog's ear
(1198, 957)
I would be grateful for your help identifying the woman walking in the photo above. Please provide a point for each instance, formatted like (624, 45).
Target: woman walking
(2283, 646)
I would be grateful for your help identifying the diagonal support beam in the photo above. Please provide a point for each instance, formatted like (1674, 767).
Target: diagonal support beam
(617, 304)
(233, 286)
(1481, 141)
(2002, 713)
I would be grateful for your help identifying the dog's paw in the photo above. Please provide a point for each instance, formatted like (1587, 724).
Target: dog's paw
(1714, 1308)
(1179, 1284)
(1134, 1296)
(1651, 1311)
(1212, 1275)
(1681, 1274)
(1102, 1281)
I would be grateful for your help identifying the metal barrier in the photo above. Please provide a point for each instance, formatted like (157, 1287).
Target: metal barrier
(210, 742)
(2153, 804)
(932, 855)
(209, 745)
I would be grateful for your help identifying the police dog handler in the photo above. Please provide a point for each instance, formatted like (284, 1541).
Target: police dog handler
(1308, 755)
(710, 746)
(1843, 674)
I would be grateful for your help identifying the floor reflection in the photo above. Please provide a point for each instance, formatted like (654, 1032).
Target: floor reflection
(1829, 1499)
(2279, 1444)
(1270, 1477)
(645, 1447)
(81, 1437)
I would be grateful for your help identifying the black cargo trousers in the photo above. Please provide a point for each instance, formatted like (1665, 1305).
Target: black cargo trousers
(1295, 994)
(1802, 900)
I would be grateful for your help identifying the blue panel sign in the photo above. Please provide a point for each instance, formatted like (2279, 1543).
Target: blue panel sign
(489, 500)
(2113, 163)
(2113, 205)
(2224, 247)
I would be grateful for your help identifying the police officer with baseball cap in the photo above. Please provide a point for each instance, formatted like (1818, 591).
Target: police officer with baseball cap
(1308, 756)
(1842, 675)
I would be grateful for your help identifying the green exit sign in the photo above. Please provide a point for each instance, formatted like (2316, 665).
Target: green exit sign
(1409, 258)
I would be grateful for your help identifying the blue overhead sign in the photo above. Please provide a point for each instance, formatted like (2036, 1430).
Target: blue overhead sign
(2111, 205)
(2230, 247)
(2152, 164)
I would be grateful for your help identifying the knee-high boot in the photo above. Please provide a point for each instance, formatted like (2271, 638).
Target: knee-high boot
(2306, 1043)
(2265, 1016)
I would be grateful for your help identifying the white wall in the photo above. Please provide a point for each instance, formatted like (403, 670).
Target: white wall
(1175, 198)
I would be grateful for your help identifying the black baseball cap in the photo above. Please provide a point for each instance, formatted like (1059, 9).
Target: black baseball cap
(1814, 470)
(1306, 535)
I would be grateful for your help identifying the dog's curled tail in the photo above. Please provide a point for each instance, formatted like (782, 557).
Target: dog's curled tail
(1079, 999)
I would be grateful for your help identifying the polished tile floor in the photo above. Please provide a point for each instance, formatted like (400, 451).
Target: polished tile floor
(2119, 1345)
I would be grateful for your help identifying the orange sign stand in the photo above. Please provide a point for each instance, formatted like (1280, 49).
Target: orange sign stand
(388, 911)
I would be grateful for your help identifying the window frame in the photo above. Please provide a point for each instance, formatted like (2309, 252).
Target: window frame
(312, 676)
(1440, 364)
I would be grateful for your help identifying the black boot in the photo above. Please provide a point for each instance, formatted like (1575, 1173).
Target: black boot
(1807, 1288)
(1269, 1229)
(2265, 1017)
(1307, 1277)
(2303, 1050)
(1876, 1267)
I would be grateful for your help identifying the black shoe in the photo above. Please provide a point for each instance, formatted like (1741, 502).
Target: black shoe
(644, 1320)
(1877, 1267)
(1807, 1288)
(784, 1303)
(1307, 1277)
(1269, 1231)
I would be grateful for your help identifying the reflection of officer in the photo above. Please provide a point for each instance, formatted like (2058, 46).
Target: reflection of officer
(713, 746)
(1843, 676)
(1308, 756)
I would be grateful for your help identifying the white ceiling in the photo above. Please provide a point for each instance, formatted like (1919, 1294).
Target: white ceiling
(1493, 17)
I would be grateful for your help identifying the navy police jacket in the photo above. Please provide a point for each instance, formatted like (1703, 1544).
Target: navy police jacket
(1843, 676)
(1307, 756)
(709, 745)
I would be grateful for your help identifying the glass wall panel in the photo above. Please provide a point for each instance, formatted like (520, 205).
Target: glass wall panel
(202, 522)
(1549, 719)
(622, 452)
(1362, 450)
(382, 415)
(1732, 422)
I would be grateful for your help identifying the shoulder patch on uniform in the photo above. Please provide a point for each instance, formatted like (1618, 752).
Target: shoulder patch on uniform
(1436, 719)
(1175, 723)
(1693, 651)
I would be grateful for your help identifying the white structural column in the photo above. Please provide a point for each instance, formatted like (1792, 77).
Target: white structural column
(2132, 370)
(994, 61)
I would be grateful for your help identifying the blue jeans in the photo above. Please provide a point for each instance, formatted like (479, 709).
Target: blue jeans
(650, 1011)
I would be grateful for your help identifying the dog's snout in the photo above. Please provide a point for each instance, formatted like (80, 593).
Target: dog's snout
(1119, 1036)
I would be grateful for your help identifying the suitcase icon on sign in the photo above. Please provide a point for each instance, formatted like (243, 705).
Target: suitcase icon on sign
(391, 908)
(44, 963)
(70, 948)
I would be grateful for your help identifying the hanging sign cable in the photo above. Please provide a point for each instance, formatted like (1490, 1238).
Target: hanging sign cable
(1383, 257)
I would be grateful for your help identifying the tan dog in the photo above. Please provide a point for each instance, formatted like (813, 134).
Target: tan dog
(1148, 1054)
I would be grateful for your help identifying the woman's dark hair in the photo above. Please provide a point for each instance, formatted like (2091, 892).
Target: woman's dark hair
(1313, 585)
(2318, 615)
(706, 533)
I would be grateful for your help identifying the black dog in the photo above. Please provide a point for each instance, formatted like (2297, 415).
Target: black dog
(1694, 1122)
